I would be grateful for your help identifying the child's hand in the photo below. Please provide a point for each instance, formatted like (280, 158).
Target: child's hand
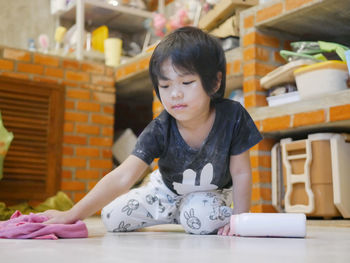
(225, 231)
(58, 217)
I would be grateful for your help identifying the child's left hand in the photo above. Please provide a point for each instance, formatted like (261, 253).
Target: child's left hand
(225, 231)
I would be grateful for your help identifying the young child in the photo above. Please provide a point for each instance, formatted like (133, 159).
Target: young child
(202, 143)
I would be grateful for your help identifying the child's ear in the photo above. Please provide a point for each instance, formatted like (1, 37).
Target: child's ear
(218, 81)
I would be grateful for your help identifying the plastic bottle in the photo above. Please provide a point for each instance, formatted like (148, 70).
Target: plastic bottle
(268, 225)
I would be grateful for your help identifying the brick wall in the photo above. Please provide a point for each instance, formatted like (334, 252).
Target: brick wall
(89, 112)
(260, 56)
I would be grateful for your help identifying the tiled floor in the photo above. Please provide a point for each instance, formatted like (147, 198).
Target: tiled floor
(326, 241)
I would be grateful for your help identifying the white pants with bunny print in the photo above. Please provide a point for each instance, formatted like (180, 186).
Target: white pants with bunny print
(154, 204)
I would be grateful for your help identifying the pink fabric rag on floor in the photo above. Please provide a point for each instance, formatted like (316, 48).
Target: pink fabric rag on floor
(32, 226)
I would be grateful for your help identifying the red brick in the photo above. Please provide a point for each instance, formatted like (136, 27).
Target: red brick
(107, 131)
(88, 129)
(68, 127)
(260, 161)
(87, 152)
(68, 150)
(267, 41)
(66, 174)
(278, 58)
(260, 39)
(70, 105)
(107, 154)
(91, 184)
(71, 64)
(102, 80)
(93, 67)
(73, 162)
(258, 124)
(269, 12)
(237, 67)
(263, 177)
(77, 76)
(309, 118)
(72, 186)
(257, 69)
(78, 94)
(46, 60)
(70, 139)
(293, 4)
(6, 64)
(260, 208)
(88, 106)
(109, 72)
(256, 194)
(45, 79)
(257, 53)
(157, 106)
(254, 100)
(229, 67)
(252, 85)
(276, 124)
(339, 113)
(104, 97)
(248, 22)
(119, 74)
(108, 110)
(70, 84)
(105, 164)
(131, 68)
(87, 174)
(264, 145)
(144, 64)
(30, 68)
(19, 55)
(102, 119)
(97, 141)
(54, 72)
(78, 197)
(74, 116)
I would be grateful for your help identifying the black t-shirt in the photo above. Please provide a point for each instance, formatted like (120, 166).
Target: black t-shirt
(185, 169)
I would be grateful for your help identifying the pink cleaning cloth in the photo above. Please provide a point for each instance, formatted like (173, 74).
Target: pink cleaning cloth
(32, 227)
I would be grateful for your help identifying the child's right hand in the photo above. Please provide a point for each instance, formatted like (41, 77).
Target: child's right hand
(59, 217)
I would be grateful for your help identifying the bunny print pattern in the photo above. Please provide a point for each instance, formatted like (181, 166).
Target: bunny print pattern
(154, 203)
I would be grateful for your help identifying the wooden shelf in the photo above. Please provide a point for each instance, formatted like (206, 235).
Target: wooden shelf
(223, 10)
(97, 13)
(327, 20)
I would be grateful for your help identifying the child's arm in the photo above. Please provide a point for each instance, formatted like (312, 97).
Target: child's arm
(242, 186)
(242, 182)
(112, 185)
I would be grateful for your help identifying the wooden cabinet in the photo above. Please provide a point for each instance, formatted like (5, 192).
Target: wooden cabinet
(34, 113)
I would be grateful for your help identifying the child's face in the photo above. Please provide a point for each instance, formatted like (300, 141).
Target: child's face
(182, 93)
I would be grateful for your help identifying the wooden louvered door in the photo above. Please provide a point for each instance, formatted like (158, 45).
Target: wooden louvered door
(34, 113)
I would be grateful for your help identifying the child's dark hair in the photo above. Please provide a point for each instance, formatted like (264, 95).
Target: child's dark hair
(191, 50)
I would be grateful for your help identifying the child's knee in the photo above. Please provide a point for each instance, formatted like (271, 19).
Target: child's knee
(202, 214)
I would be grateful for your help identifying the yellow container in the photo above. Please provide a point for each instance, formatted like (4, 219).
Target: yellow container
(98, 36)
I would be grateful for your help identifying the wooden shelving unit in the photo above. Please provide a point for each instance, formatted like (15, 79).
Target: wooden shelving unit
(282, 21)
(97, 13)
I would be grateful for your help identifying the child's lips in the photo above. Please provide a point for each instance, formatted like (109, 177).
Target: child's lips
(179, 106)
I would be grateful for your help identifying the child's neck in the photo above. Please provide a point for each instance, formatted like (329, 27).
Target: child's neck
(195, 132)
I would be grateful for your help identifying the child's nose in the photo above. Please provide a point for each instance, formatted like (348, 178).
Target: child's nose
(176, 93)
